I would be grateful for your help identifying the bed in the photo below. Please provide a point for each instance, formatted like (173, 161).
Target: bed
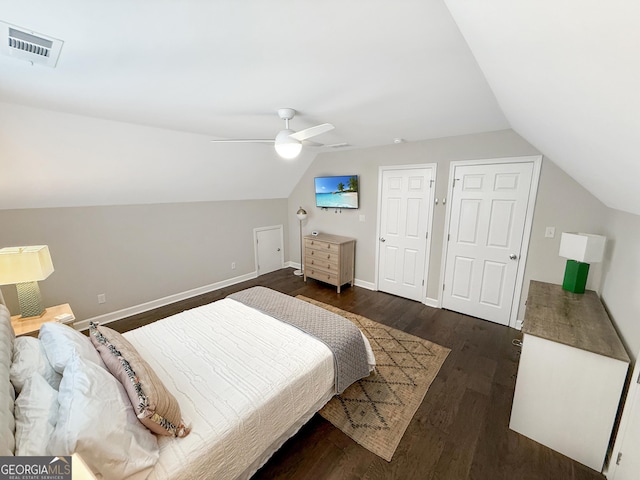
(244, 372)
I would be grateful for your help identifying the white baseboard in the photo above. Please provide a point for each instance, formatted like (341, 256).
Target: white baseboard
(431, 302)
(519, 324)
(295, 265)
(161, 302)
(363, 284)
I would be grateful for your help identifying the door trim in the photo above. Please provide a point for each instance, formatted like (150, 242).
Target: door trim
(431, 201)
(255, 244)
(626, 406)
(528, 224)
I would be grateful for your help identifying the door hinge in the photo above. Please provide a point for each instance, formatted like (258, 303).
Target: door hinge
(423, 283)
(619, 458)
(426, 235)
(448, 237)
(443, 287)
(454, 182)
(431, 182)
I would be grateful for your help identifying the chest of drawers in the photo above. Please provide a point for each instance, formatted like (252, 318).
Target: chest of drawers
(571, 374)
(330, 259)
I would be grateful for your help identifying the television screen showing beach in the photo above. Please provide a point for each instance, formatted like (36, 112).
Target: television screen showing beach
(337, 192)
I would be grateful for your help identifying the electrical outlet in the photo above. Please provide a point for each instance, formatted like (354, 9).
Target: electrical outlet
(550, 232)
(233, 265)
(102, 298)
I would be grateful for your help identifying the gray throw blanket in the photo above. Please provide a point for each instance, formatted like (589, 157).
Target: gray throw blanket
(341, 336)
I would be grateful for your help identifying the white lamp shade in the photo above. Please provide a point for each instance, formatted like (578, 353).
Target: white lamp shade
(24, 264)
(582, 247)
(287, 147)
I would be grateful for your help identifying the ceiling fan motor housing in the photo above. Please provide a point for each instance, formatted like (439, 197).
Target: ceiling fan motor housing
(286, 113)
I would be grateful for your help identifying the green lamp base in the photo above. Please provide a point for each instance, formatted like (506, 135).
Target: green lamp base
(575, 276)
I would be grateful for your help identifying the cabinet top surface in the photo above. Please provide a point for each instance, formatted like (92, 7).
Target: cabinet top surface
(577, 320)
(22, 326)
(325, 237)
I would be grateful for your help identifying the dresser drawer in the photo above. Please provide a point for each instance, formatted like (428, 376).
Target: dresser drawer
(320, 245)
(322, 275)
(322, 255)
(321, 263)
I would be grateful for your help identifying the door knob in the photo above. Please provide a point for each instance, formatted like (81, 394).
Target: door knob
(382, 239)
(513, 256)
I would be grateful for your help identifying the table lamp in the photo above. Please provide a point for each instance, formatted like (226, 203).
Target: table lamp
(24, 267)
(580, 249)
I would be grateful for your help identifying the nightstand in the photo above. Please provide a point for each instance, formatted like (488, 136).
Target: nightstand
(25, 326)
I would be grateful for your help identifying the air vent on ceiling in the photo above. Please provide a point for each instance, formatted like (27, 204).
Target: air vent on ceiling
(27, 45)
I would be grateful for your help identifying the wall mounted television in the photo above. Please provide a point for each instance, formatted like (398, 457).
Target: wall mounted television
(337, 191)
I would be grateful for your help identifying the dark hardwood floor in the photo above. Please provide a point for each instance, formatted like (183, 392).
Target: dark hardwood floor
(461, 429)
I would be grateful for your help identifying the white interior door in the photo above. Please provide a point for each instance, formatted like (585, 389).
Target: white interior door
(269, 249)
(405, 215)
(625, 461)
(489, 205)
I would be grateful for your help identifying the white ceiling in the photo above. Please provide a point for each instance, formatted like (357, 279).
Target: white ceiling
(565, 77)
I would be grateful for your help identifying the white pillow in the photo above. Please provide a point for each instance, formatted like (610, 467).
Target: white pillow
(29, 358)
(60, 341)
(7, 392)
(97, 421)
(36, 414)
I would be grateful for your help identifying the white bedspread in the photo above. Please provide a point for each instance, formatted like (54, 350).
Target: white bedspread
(242, 379)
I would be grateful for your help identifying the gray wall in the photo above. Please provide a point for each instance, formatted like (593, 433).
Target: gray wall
(561, 203)
(138, 253)
(365, 163)
(621, 276)
(564, 204)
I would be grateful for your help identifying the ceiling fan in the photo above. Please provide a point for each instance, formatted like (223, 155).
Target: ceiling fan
(288, 143)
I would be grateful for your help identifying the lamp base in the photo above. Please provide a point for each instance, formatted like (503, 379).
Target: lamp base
(298, 273)
(575, 276)
(30, 299)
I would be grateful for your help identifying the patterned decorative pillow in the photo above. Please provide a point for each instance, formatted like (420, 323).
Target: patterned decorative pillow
(155, 406)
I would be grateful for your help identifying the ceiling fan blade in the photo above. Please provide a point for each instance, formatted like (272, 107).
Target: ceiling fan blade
(245, 140)
(311, 143)
(312, 131)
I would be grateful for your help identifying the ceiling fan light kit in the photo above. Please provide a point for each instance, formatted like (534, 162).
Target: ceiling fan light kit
(288, 143)
(287, 147)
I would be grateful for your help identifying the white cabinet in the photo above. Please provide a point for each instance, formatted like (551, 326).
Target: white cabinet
(571, 374)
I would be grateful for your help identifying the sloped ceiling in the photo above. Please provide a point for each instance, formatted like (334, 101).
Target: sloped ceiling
(141, 88)
(567, 76)
(375, 69)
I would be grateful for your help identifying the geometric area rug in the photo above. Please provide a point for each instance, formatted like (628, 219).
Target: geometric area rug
(376, 411)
